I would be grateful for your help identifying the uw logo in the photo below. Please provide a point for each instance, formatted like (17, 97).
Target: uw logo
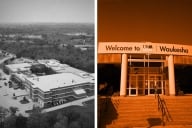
(147, 46)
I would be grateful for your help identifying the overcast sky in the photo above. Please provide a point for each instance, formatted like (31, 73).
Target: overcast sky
(145, 20)
(78, 11)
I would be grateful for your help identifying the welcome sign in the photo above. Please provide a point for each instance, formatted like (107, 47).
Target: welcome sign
(144, 48)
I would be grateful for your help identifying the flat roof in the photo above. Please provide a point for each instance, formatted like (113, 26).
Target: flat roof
(67, 68)
(23, 60)
(21, 66)
(48, 82)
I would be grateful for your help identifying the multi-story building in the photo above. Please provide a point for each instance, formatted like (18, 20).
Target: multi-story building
(49, 90)
(58, 88)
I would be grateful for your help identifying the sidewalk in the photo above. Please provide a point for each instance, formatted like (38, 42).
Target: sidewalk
(76, 102)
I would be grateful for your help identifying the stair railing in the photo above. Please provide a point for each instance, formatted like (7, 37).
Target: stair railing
(165, 116)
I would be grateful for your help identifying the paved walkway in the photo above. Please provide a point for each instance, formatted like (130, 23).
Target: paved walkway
(77, 102)
(6, 58)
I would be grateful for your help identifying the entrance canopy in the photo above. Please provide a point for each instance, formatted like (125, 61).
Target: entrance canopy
(144, 47)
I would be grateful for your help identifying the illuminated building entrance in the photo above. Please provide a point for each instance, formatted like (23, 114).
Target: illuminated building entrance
(146, 75)
(139, 85)
(146, 68)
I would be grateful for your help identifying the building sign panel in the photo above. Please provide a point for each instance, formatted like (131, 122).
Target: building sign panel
(144, 48)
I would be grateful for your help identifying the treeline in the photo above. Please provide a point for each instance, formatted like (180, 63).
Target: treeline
(69, 55)
(71, 117)
(46, 28)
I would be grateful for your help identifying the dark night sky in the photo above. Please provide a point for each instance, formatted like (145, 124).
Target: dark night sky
(166, 21)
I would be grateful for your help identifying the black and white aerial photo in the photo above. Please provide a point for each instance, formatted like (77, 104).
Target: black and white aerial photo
(47, 76)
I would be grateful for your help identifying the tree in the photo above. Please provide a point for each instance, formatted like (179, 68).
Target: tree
(62, 121)
(21, 122)
(24, 100)
(50, 119)
(10, 121)
(38, 68)
(3, 110)
(75, 124)
(82, 117)
(35, 121)
(41, 68)
(13, 110)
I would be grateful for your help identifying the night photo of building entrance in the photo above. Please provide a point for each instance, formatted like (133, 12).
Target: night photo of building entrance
(144, 64)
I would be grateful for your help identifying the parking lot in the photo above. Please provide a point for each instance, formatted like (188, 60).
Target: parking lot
(7, 94)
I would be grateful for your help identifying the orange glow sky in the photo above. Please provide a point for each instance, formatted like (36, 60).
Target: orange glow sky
(168, 21)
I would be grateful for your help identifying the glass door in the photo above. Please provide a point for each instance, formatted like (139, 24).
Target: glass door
(152, 85)
(159, 85)
(155, 84)
(136, 85)
(140, 85)
(133, 85)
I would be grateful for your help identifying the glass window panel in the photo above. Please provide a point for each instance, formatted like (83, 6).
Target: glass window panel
(158, 84)
(152, 91)
(133, 84)
(133, 91)
(140, 91)
(146, 84)
(152, 84)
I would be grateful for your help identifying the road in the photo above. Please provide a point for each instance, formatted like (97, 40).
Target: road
(6, 58)
(1, 70)
(77, 102)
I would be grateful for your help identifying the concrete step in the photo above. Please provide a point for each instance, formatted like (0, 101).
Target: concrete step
(129, 124)
(143, 112)
(179, 117)
(137, 102)
(178, 104)
(141, 108)
(138, 115)
(179, 123)
(137, 105)
(182, 113)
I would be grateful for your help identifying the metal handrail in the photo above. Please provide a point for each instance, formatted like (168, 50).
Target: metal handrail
(167, 114)
(163, 108)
